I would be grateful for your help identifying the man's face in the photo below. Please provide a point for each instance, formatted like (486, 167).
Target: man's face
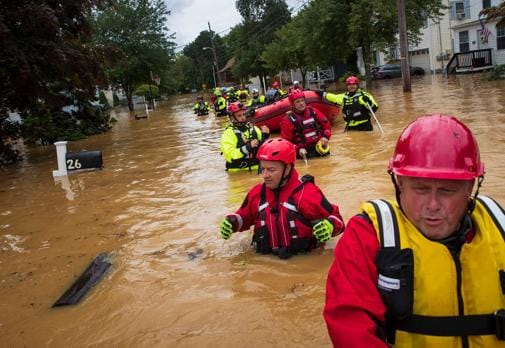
(239, 116)
(272, 173)
(299, 104)
(352, 87)
(434, 206)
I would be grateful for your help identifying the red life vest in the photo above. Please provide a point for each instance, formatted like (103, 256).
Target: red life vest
(282, 229)
(307, 129)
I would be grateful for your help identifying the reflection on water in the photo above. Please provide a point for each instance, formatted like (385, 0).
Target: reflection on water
(156, 206)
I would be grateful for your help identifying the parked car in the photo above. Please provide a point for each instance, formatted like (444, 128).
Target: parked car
(388, 71)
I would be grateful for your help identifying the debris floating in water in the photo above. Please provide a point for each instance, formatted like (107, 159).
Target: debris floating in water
(86, 281)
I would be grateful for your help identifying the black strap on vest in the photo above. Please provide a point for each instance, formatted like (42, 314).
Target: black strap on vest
(467, 325)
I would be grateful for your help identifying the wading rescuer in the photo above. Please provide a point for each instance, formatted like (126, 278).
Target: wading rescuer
(201, 107)
(241, 139)
(219, 103)
(426, 270)
(306, 127)
(289, 214)
(355, 105)
(256, 100)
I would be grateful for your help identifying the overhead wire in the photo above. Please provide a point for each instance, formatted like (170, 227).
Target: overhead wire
(257, 33)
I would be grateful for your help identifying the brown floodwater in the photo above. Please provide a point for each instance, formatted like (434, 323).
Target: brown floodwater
(156, 207)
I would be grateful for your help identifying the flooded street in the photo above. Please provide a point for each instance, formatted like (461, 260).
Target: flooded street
(156, 208)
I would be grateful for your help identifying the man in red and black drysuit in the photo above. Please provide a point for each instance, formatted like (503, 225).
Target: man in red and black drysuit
(306, 127)
(289, 214)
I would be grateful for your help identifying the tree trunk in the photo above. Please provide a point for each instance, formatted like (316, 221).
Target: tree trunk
(303, 72)
(366, 51)
(129, 95)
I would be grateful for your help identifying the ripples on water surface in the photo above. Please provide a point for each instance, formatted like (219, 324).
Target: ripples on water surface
(156, 207)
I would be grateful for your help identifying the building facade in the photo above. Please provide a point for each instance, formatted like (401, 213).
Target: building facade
(459, 30)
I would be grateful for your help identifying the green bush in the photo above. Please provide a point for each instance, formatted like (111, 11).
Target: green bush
(498, 73)
(115, 100)
(45, 125)
(102, 99)
(146, 90)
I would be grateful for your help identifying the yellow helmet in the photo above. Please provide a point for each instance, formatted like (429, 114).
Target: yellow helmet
(322, 150)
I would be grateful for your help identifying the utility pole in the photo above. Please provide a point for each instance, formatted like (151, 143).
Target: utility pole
(404, 51)
(214, 53)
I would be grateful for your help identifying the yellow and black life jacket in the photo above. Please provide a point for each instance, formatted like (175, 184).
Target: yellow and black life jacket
(435, 297)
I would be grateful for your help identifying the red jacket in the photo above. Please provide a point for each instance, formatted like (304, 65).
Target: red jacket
(299, 128)
(354, 311)
(308, 200)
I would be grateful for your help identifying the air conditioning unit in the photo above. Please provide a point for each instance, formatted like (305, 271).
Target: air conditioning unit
(460, 15)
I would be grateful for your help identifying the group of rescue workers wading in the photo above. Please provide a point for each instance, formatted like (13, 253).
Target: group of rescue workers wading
(424, 270)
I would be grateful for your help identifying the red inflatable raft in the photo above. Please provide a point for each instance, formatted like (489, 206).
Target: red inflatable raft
(272, 114)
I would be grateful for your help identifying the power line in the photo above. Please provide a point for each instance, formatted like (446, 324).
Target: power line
(293, 11)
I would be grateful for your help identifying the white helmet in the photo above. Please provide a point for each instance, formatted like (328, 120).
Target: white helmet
(255, 90)
(296, 82)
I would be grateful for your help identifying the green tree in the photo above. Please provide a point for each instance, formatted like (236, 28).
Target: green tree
(200, 52)
(181, 76)
(495, 12)
(289, 49)
(261, 18)
(103, 99)
(334, 29)
(47, 61)
(134, 33)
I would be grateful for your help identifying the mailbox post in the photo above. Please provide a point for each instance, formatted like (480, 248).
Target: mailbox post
(75, 161)
(61, 150)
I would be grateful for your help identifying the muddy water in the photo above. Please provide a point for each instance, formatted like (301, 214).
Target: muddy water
(156, 206)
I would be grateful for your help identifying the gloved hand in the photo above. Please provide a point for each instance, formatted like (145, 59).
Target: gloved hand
(366, 99)
(225, 229)
(320, 93)
(302, 152)
(323, 230)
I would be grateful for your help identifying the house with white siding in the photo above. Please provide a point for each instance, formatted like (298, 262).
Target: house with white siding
(456, 39)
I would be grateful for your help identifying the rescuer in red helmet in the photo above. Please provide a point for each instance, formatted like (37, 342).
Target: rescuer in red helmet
(241, 139)
(426, 270)
(289, 214)
(306, 127)
(356, 105)
(275, 93)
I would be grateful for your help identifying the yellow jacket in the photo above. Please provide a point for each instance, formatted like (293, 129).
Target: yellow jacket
(444, 285)
(234, 150)
(354, 107)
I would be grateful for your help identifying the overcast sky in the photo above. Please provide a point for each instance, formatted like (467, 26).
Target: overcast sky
(189, 17)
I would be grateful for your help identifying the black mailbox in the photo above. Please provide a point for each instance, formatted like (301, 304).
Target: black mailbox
(83, 160)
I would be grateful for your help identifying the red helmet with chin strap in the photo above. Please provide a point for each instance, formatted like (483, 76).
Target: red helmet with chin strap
(295, 94)
(277, 149)
(437, 147)
(352, 80)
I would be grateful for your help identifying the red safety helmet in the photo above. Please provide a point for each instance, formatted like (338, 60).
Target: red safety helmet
(277, 149)
(275, 84)
(234, 107)
(295, 94)
(437, 147)
(352, 80)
